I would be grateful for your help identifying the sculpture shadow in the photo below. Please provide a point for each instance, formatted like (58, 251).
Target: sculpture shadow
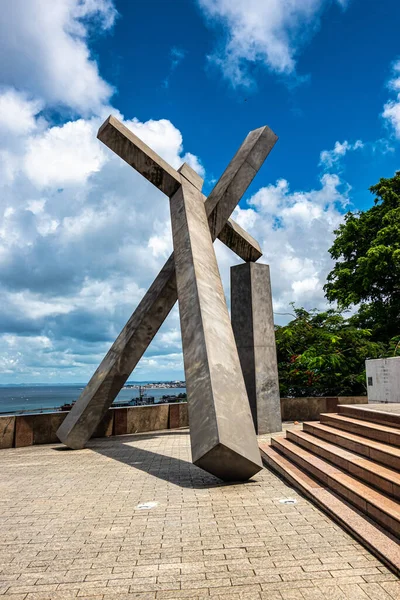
(168, 468)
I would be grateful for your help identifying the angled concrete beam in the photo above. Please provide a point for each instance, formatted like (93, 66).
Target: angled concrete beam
(141, 157)
(135, 337)
(119, 362)
(240, 242)
(239, 174)
(222, 433)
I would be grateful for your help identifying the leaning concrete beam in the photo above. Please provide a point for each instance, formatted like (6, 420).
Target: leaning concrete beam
(136, 336)
(253, 326)
(240, 242)
(119, 362)
(222, 433)
(138, 155)
(238, 175)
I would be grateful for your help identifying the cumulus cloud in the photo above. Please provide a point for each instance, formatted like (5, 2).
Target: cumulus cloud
(269, 32)
(63, 155)
(45, 45)
(391, 111)
(295, 230)
(333, 159)
(329, 158)
(18, 112)
(82, 235)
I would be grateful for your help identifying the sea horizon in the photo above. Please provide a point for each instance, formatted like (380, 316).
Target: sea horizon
(15, 398)
(69, 384)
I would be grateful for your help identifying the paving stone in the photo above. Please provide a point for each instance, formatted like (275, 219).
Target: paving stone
(79, 512)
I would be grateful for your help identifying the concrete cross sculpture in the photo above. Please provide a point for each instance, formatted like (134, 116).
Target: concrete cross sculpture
(222, 432)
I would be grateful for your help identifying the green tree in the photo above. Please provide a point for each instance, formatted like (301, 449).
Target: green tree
(323, 354)
(367, 269)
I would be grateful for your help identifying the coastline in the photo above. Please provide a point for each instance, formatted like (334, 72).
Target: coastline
(46, 398)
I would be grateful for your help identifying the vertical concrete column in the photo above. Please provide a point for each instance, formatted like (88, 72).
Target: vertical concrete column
(253, 327)
(222, 433)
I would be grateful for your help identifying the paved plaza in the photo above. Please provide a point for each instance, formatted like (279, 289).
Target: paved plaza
(72, 527)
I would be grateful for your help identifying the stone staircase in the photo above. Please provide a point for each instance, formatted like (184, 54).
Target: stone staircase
(349, 465)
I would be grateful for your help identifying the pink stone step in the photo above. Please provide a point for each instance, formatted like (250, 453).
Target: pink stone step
(383, 510)
(384, 479)
(374, 431)
(379, 542)
(384, 414)
(376, 451)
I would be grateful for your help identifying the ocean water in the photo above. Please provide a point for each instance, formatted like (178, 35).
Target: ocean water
(37, 398)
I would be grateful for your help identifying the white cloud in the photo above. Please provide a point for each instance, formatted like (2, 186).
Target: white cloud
(392, 114)
(269, 32)
(64, 155)
(161, 242)
(329, 158)
(17, 112)
(295, 230)
(391, 110)
(394, 83)
(44, 49)
(82, 236)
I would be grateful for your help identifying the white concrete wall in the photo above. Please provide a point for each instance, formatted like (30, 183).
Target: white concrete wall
(383, 379)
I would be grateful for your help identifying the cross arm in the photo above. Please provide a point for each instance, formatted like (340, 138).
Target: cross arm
(139, 155)
(148, 163)
(240, 242)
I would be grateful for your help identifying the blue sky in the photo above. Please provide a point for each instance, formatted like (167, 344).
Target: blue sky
(82, 236)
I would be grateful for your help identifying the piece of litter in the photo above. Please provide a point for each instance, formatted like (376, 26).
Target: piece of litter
(288, 501)
(147, 505)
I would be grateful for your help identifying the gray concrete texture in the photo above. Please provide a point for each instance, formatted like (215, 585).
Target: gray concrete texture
(141, 328)
(143, 159)
(222, 433)
(253, 327)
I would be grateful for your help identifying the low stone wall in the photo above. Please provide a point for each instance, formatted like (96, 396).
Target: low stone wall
(309, 409)
(27, 430)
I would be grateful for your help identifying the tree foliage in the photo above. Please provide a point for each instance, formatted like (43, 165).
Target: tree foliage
(367, 269)
(323, 354)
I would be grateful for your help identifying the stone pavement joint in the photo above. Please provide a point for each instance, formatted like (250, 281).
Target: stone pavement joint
(70, 529)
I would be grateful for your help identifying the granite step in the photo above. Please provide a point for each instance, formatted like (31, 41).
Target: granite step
(384, 479)
(374, 431)
(383, 510)
(375, 538)
(376, 451)
(386, 414)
